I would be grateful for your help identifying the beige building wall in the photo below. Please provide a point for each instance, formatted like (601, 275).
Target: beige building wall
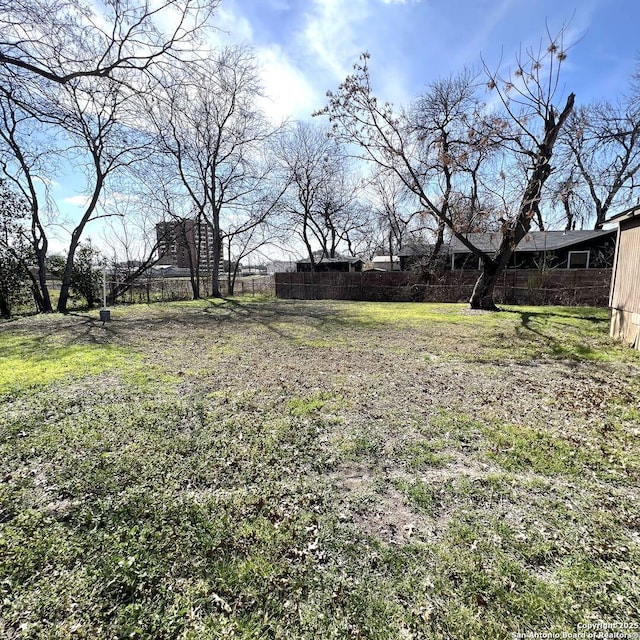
(625, 284)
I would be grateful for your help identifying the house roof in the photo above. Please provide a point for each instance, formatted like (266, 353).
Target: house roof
(349, 259)
(534, 241)
(625, 215)
(377, 259)
(169, 271)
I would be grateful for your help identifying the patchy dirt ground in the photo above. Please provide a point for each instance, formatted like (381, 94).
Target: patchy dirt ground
(438, 473)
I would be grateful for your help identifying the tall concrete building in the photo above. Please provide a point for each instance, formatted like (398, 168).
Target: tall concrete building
(181, 241)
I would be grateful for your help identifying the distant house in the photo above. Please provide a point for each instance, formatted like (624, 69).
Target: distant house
(386, 263)
(254, 270)
(167, 271)
(343, 264)
(537, 250)
(280, 266)
(625, 282)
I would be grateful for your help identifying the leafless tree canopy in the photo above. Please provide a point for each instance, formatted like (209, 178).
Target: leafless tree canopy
(213, 140)
(603, 142)
(321, 202)
(444, 147)
(64, 40)
(71, 81)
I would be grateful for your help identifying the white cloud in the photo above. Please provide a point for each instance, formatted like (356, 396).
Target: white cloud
(77, 201)
(231, 27)
(288, 93)
(337, 32)
(297, 70)
(330, 34)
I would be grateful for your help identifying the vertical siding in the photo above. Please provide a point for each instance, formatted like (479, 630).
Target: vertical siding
(626, 291)
(625, 294)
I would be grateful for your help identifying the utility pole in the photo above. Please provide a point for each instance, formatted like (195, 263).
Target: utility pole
(105, 314)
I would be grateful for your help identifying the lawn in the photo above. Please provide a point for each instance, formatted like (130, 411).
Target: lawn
(284, 469)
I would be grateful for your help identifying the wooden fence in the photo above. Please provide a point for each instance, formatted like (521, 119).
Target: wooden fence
(517, 286)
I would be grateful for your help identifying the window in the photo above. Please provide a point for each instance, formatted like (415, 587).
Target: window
(578, 260)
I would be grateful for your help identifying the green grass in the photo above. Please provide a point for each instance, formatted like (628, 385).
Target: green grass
(27, 362)
(275, 469)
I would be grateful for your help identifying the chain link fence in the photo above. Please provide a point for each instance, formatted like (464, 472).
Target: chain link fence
(170, 289)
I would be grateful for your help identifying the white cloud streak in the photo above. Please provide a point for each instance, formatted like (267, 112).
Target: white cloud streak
(330, 34)
(77, 201)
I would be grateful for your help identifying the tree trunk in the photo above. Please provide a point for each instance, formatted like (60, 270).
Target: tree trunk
(601, 215)
(38, 298)
(512, 234)
(307, 243)
(568, 215)
(437, 246)
(5, 311)
(194, 268)
(77, 234)
(41, 291)
(65, 287)
(231, 281)
(63, 300)
(195, 285)
(232, 278)
(482, 296)
(215, 267)
(195, 262)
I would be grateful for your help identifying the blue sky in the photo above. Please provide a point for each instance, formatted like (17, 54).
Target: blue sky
(306, 47)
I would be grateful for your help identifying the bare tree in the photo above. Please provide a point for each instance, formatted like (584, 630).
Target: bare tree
(568, 193)
(64, 40)
(67, 72)
(254, 226)
(440, 146)
(436, 148)
(321, 200)
(250, 243)
(395, 210)
(604, 144)
(165, 217)
(95, 119)
(528, 98)
(23, 162)
(130, 234)
(209, 126)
